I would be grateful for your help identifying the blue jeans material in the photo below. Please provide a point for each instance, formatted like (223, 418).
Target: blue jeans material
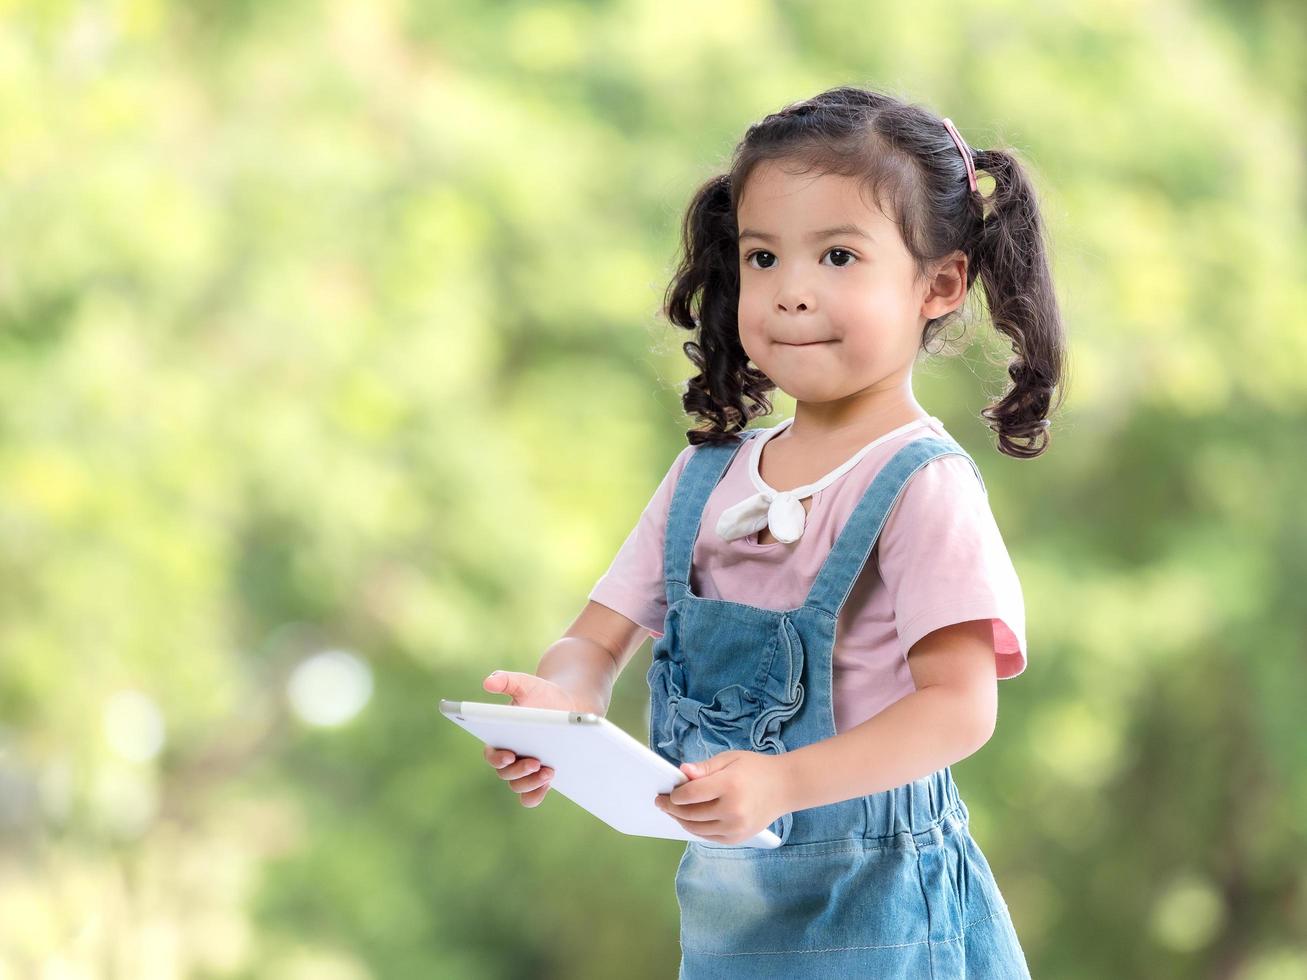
(891, 884)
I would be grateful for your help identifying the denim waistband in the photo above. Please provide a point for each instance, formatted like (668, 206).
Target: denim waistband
(920, 810)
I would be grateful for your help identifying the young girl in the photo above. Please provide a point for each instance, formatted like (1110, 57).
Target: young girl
(831, 600)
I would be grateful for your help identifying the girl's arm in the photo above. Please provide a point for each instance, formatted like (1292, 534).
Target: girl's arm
(950, 715)
(591, 654)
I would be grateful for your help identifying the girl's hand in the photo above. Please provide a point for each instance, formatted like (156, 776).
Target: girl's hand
(729, 797)
(525, 775)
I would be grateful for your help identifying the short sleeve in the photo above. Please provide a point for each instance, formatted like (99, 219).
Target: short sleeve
(633, 584)
(943, 561)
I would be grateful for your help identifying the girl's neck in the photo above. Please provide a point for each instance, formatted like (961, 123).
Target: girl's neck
(853, 420)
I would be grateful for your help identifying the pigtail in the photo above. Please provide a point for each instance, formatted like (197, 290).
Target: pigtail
(1013, 266)
(708, 277)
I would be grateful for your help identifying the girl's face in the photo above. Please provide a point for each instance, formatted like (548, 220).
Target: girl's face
(828, 303)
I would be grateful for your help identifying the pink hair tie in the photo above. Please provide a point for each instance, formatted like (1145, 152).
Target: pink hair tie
(966, 154)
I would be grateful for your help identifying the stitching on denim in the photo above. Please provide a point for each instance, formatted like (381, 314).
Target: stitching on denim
(787, 952)
(809, 849)
(925, 901)
(764, 664)
(965, 926)
(837, 949)
(992, 915)
(881, 842)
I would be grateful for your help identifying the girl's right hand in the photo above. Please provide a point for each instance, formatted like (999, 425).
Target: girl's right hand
(525, 775)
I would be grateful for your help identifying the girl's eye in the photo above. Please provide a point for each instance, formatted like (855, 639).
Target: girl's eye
(833, 251)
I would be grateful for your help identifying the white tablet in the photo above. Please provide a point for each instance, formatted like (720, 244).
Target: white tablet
(596, 764)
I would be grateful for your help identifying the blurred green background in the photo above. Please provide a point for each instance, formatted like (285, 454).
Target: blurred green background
(332, 378)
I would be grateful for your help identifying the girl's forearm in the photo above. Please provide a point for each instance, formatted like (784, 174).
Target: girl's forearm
(582, 667)
(916, 735)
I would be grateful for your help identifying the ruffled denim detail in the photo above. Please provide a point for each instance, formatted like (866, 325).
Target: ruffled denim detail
(684, 729)
(720, 726)
(765, 735)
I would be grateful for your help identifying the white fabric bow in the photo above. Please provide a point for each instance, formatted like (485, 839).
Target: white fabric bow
(780, 512)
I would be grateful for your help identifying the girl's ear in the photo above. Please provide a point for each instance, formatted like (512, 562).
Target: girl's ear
(947, 288)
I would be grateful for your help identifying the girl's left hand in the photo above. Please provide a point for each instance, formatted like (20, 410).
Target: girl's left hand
(729, 797)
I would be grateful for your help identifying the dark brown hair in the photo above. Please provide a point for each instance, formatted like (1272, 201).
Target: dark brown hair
(904, 155)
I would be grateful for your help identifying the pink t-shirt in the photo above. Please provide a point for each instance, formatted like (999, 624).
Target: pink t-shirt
(940, 559)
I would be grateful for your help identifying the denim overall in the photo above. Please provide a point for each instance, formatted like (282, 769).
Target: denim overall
(886, 885)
